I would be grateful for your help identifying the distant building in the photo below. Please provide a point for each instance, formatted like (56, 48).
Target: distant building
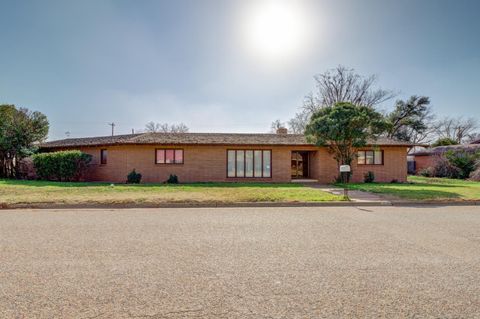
(426, 158)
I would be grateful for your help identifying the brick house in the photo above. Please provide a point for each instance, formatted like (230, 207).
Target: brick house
(428, 158)
(218, 157)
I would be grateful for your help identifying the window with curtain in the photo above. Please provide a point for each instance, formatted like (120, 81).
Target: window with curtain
(370, 157)
(249, 163)
(168, 156)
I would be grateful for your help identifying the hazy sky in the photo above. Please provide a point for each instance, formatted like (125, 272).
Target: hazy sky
(87, 63)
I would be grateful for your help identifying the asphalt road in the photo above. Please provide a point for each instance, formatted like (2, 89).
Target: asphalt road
(241, 263)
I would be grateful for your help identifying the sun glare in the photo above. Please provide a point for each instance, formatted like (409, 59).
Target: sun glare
(275, 30)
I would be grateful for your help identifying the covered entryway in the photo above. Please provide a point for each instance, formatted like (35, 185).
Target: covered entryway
(300, 165)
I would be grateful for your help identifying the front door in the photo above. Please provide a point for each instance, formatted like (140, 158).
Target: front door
(299, 164)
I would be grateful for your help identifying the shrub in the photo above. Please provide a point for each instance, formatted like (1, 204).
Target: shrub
(172, 179)
(427, 172)
(464, 161)
(369, 177)
(443, 168)
(475, 175)
(61, 166)
(134, 177)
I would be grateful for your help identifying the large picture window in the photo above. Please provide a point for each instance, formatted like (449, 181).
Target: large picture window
(249, 163)
(168, 156)
(370, 158)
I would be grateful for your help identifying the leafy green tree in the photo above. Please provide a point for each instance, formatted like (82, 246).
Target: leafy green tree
(411, 120)
(444, 142)
(344, 128)
(20, 130)
(465, 161)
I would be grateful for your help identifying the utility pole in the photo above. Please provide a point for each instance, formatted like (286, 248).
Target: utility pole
(113, 126)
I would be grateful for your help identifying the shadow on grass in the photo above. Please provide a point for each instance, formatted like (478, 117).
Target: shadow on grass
(362, 186)
(416, 191)
(423, 194)
(36, 183)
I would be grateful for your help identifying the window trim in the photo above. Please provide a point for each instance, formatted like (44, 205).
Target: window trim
(245, 163)
(164, 156)
(365, 156)
(103, 158)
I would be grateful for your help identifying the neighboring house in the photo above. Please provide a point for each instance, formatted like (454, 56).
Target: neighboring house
(428, 157)
(217, 157)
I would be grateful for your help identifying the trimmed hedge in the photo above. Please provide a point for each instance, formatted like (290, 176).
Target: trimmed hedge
(61, 166)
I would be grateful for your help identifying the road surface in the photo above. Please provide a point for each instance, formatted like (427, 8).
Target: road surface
(241, 263)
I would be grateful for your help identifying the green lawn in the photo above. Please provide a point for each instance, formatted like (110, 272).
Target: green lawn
(424, 188)
(14, 192)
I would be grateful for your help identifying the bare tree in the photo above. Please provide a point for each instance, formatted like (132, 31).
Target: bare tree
(298, 123)
(457, 129)
(178, 128)
(152, 127)
(475, 137)
(344, 85)
(339, 85)
(276, 125)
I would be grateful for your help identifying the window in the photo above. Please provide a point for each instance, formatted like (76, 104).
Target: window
(231, 163)
(361, 158)
(169, 156)
(103, 156)
(378, 158)
(266, 163)
(240, 163)
(178, 156)
(370, 158)
(249, 163)
(257, 163)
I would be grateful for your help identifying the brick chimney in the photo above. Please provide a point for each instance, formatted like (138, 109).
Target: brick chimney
(282, 130)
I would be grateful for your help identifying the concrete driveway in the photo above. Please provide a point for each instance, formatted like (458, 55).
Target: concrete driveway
(241, 263)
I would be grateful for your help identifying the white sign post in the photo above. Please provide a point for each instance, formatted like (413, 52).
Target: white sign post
(344, 171)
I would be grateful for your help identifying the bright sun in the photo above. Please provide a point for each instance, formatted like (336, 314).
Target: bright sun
(275, 30)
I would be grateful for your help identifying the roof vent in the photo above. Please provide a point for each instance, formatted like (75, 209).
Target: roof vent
(282, 130)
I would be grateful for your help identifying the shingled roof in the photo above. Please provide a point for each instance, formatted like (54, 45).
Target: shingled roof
(196, 139)
(443, 149)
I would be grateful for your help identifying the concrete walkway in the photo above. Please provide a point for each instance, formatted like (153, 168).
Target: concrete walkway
(354, 195)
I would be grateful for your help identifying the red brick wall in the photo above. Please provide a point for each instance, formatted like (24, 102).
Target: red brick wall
(201, 163)
(208, 163)
(394, 166)
(424, 162)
